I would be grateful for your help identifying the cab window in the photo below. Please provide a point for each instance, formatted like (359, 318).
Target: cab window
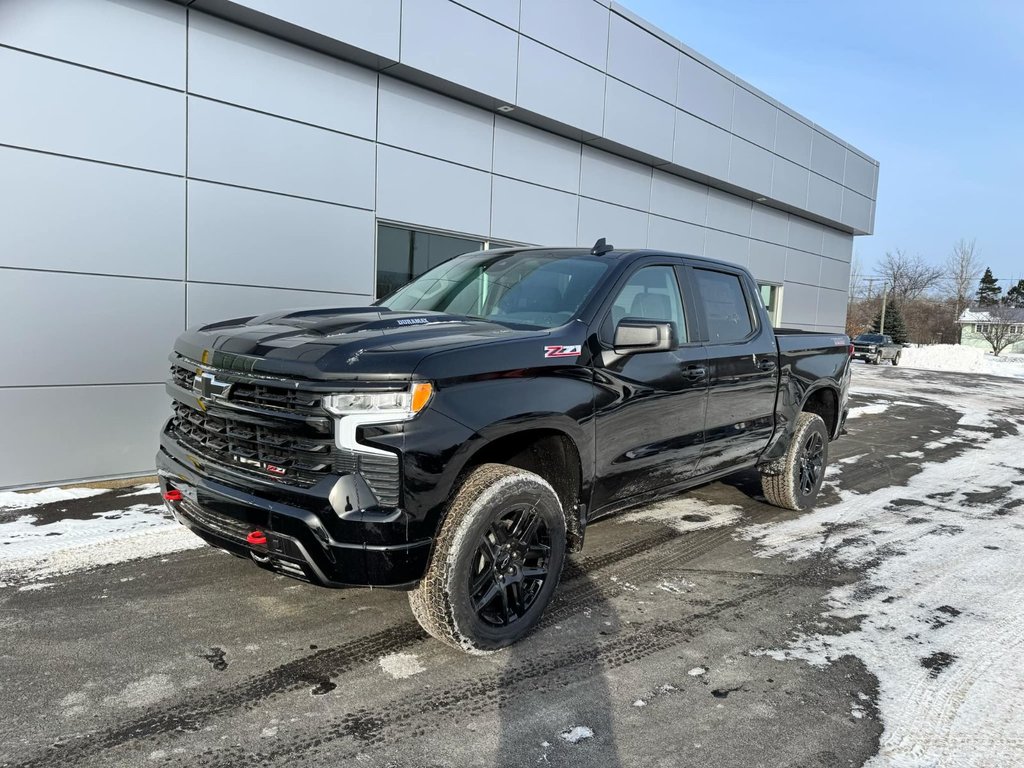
(725, 306)
(650, 293)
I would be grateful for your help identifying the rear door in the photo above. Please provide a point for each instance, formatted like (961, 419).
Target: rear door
(743, 361)
(650, 406)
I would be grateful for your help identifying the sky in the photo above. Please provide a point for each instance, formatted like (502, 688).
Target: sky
(932, 90)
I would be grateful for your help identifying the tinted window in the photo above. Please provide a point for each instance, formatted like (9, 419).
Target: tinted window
(725, 306)
(871, 338)
(651, 293)
(403, 254)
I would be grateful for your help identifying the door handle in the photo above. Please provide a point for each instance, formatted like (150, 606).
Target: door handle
(767, 365)
(695, 372)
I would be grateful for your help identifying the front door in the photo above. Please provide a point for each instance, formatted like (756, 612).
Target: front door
(650, 407)
(743, 362)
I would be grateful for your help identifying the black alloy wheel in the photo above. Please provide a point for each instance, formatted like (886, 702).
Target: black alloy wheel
(812, 463)
(496, 560)
(510, 566)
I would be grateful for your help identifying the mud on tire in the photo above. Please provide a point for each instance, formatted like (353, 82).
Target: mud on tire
(796, 479)
(496, 561)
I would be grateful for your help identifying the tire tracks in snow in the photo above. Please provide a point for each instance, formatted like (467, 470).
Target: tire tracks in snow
(411, 716)
(654, 555)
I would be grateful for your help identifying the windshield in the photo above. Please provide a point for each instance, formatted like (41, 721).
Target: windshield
(872, 338)
(535, 288)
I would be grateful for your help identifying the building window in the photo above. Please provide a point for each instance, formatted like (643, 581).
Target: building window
(403, 253)
(771, 297)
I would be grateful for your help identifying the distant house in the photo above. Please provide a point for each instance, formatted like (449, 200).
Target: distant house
(973, 320)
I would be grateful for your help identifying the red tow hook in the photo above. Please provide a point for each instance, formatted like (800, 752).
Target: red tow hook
(173, 495)
(257, 539)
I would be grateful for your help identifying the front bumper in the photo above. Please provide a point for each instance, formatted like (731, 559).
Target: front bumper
(305, 538)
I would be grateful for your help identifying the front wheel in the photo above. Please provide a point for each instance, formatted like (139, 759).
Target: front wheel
(496, 561)
(802, 469)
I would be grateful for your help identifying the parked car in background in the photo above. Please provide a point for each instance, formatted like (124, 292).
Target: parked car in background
(875, 347)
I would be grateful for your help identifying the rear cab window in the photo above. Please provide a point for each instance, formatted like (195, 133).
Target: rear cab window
(725, 305)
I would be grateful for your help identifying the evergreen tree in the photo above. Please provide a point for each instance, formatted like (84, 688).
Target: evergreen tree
(989, 292)
(1015, 296)
(894, 325)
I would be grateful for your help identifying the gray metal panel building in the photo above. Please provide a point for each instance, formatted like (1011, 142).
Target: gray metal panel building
(166, 164)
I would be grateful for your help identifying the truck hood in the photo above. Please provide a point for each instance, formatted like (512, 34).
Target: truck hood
(363, 342)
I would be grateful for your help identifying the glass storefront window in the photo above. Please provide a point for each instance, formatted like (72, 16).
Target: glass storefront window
(403, 254)
(771, 296)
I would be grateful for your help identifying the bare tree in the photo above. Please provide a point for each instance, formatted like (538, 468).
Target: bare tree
(1002, 327)
(856, 276)
(908, 277)
(962, 271)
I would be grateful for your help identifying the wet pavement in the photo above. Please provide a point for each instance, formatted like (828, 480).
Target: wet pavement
(643, 659)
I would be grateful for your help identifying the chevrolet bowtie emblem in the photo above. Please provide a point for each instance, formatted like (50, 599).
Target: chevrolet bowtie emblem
(208, 386)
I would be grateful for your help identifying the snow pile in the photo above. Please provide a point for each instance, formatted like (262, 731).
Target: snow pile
(32, 550)
(955, 357)
(941, 624)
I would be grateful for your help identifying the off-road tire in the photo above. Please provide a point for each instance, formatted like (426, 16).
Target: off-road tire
(442, 603)
(784, 488)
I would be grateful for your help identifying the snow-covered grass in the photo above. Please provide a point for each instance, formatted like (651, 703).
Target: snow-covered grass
(34, 550)
(939, 615)
(955, 357)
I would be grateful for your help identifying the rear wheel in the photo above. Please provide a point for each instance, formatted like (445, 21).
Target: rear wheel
(496, 561)
(802, 469)
(896, 359)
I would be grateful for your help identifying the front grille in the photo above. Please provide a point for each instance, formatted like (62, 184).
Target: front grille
(276, 398)
(381, 473)
(290, 453)
(262, 396)
(272, 432)
(214, 521)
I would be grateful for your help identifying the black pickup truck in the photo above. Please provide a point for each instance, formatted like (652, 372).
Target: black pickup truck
(457, 438)
(875, 347)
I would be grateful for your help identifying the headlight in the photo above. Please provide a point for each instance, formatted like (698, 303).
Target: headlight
(389, 406)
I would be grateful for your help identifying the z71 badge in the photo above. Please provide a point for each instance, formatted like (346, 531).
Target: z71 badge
(571, 350)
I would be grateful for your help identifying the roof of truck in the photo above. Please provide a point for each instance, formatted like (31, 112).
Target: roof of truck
(615, 253)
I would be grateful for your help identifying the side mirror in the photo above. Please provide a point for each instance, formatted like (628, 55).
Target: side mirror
(633, 335)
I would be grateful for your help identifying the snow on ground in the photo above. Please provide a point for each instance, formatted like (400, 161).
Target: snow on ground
(955, 357)
(401, 665)
(685, 514)
(10, 500)
(35, 550)
(941, 623)
(868, 410)
(577, 734)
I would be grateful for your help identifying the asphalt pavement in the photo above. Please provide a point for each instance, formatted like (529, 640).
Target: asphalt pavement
(644, 658)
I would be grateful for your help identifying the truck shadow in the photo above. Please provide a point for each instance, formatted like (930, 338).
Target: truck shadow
(560, 720)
